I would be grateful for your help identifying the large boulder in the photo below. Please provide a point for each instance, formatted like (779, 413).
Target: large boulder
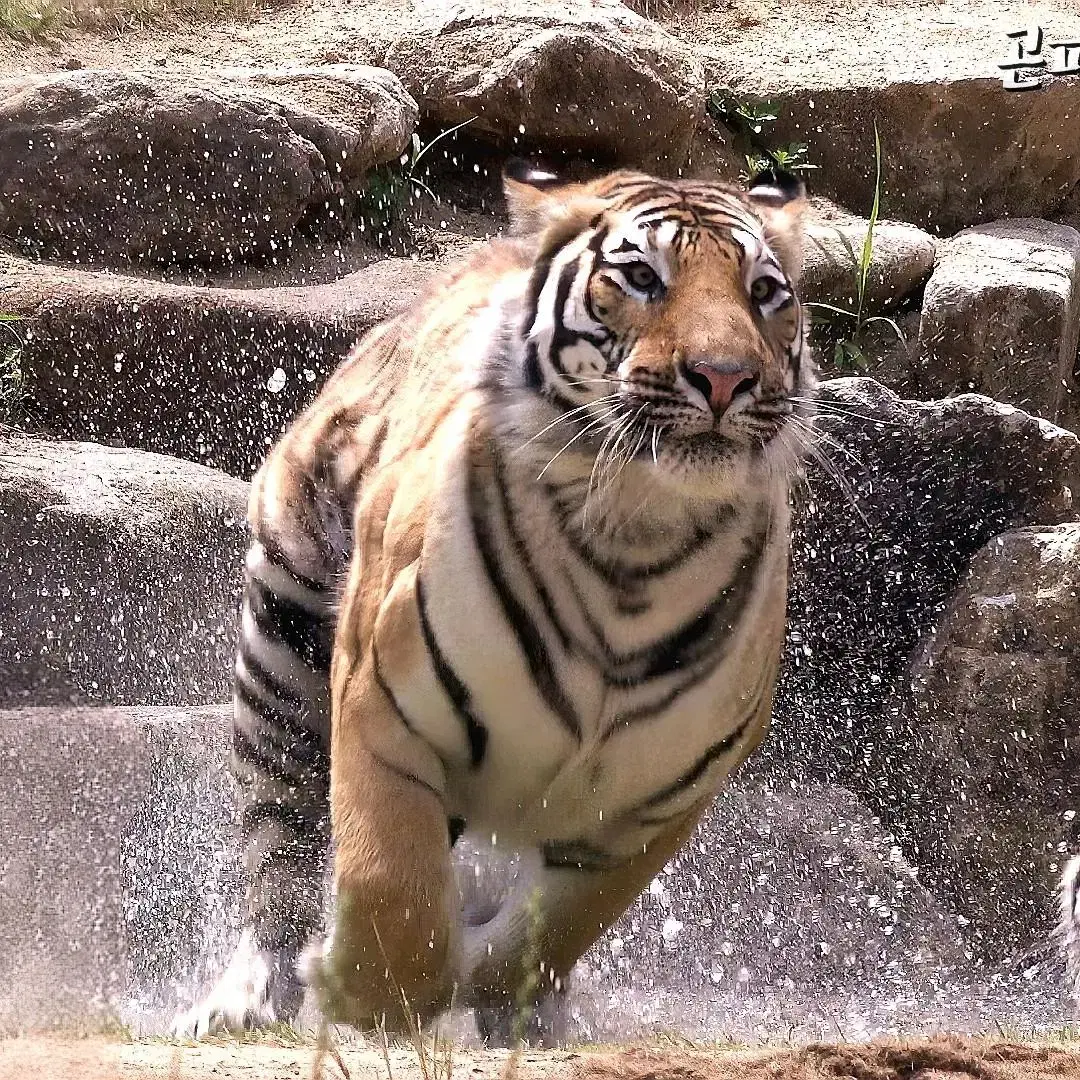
(957, 147)
(121, 575)
(118, 860)
(1001, 316)
(209, 374)
(990, 720)
(594, 80)
(118, 166)
(909, 492)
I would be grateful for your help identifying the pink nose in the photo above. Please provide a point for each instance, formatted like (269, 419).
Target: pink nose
(719, 383)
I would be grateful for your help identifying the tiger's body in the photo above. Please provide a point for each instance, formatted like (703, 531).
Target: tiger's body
(528, 549)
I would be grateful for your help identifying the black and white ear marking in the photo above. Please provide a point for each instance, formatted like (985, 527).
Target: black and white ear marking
(521, 171)
(776, 187)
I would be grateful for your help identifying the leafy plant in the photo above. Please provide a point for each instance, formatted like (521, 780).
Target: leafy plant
(849, 352)
(748, 121)
(391, 189)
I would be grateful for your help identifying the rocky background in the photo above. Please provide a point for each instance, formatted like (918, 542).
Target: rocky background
(197, 221)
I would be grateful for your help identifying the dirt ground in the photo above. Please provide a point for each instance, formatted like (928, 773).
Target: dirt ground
(788, 42)
(942, 1058)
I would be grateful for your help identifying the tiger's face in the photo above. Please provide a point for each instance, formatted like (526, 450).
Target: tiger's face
(666, 312)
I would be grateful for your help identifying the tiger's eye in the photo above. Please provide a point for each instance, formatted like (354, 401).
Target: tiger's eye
(642, 276)
(763, 289)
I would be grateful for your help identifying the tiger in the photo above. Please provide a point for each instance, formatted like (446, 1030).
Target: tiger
(520, 569)
(1067, 930)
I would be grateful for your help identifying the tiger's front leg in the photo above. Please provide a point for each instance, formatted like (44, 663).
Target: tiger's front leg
(517, 963)
(391, 955)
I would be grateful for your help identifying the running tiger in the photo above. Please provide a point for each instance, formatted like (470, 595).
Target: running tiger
(521, 568)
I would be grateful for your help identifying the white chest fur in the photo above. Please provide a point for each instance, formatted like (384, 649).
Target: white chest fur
(604, 698)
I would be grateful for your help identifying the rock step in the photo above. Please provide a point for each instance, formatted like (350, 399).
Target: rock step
(121, 862)
(211, 375)
(121, 576)
(153, 167)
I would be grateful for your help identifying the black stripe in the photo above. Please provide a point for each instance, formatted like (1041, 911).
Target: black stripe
(700, 767)
(404, 774)
(528, 636)
(300, 742)
(275, 554)
(454, 688)
(275, 766)
(300, 821)
(577, 854)
(521, 549)
(455, 826)
(268, 682)
(294, 626)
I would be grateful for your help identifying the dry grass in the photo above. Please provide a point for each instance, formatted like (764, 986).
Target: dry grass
(43, 20)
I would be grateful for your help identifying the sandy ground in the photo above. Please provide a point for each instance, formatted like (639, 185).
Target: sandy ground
(48, 1058)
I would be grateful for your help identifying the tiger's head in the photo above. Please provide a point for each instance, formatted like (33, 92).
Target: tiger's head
(661, 320)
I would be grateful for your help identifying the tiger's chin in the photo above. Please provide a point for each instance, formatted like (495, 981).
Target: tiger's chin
(713, 466)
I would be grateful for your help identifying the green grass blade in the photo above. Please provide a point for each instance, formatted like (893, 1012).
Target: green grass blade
(868, 242)
(438, 138)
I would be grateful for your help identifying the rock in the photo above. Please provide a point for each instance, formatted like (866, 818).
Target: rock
(943, 166)
(1001, 316)
(121, 578)
(118, 862)
(597, 80)
(991, 716)
(212, 375)
(117, 167)
(901, 261)
(122, 873)
(912, 491)
(779, 896)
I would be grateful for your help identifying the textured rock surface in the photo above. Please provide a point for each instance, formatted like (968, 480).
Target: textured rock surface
(991, 715)
(1001, 316)
(121, 575)
(211, 375)
(117, 858)
(878, 553)
(596, 80)
(114, 167)
(944, 166)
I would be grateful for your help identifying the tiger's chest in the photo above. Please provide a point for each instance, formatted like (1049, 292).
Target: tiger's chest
(563, 702)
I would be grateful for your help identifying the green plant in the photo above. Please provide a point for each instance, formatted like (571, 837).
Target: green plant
(748, 121)
(849, 326)
(392, 188)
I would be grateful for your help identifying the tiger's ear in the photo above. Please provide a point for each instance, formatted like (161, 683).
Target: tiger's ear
(537, 199)
(529, 195)
(779, 198)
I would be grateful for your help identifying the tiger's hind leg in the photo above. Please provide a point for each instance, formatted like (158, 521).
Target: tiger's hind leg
(281, 761)
(1068, 928)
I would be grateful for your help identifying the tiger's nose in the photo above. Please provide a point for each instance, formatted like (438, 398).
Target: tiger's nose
(719, 383)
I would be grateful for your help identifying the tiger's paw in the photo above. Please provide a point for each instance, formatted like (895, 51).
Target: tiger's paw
(259, 987)
(393, 980)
